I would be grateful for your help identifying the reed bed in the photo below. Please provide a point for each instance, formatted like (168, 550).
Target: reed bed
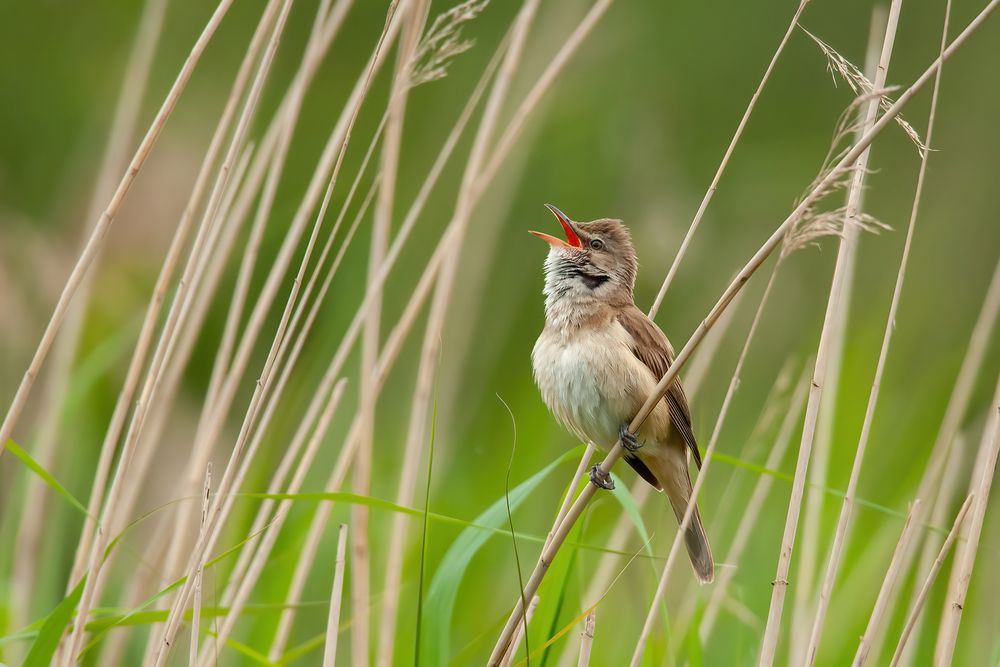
(344, 291)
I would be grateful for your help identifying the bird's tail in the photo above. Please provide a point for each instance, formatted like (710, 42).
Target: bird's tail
(677, 486)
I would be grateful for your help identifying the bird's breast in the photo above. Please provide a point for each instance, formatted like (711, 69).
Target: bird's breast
(584, 379)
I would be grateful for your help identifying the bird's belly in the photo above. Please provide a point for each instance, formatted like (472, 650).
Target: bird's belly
(584, 385)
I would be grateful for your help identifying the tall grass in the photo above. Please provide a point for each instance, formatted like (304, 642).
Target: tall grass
(236, 423)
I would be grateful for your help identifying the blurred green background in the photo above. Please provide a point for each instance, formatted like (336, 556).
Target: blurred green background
(634, 128)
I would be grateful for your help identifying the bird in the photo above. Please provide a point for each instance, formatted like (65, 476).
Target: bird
(599, 358)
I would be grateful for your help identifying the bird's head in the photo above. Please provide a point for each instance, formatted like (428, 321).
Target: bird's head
(597, 260)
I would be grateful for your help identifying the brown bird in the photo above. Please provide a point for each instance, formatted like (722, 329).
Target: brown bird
(598, 359)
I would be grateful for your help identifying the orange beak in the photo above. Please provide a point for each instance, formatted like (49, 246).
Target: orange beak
(572, 240)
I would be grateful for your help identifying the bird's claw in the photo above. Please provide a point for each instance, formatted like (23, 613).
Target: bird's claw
(629, 441)
(601, 479)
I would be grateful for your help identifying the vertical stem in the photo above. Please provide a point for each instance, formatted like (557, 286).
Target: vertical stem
(840, 536)
(918, 603)
(206, 496)
(888, 583)
(587, 638)
(965, 557)
(336, 595)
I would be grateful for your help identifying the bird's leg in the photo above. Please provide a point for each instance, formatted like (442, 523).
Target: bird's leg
(629, 441)
(601, 479)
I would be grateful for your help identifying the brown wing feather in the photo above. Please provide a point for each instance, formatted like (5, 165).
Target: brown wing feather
(651, 347)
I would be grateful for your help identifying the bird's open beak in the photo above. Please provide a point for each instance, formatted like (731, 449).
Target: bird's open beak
(572, 240)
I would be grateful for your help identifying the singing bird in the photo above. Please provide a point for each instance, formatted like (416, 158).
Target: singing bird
(599, 357)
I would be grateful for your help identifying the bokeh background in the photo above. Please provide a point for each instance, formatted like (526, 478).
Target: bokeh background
(633, 128)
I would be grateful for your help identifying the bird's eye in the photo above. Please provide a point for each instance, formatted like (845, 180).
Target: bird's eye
(597, 244)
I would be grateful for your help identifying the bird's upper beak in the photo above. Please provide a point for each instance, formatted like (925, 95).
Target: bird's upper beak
(572, 239)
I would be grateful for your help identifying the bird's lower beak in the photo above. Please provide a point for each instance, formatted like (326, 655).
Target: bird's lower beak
(572, 239)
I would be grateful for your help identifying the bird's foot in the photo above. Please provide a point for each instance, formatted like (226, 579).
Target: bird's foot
(601, 479)
(629, 441)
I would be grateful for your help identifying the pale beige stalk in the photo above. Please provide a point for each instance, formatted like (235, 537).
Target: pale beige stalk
(831, 338)
(806, 589)
(748, 520)
(415, 19)
(121, 130)
(273, 398)
(842, 166)
(429, 355)
(164, 347)
(515, 645)
(103, 225)
(206, 496)
(734, 383)
(945, 449)
(587, 638)
(840, 536)
(270, 536)
(965, 556)
(336, 596)
(878, 616)
(217, 516)
(925, 589)
(151, 317)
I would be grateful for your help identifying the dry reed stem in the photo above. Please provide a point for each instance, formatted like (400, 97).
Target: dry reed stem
(151, 317)
(103, 225)
(270, 536)
(748, 519)
(574, 484)
(160, 411)
(757, 444)
(393, 343)
(965, 555)
(587, 638)
(943, 506)
(265, 298)
(829, 349)
(121, 131)
(165, 345)
(809, 551)
(925, 589)
(206, 496)
(430, 350)
(336, 596)
(218, 516)
(288, 459)
(416, 17)
(878, 615)
(296, 93)
(706, 200)
(515, 645)
(284, 117)
(202, 449)
(840, 536)
(752, 265)
(135, 482)
(734, 383)
(944, 449)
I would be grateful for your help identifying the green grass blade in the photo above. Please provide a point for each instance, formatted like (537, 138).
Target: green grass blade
(47, 641)
(45, 476)
(423, 537)
(441, 597)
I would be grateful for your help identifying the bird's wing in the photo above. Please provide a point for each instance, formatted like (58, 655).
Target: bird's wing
(651, 347)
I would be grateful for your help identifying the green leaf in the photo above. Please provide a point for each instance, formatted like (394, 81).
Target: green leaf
(45, 476)
(440, 603)
(45, 644)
